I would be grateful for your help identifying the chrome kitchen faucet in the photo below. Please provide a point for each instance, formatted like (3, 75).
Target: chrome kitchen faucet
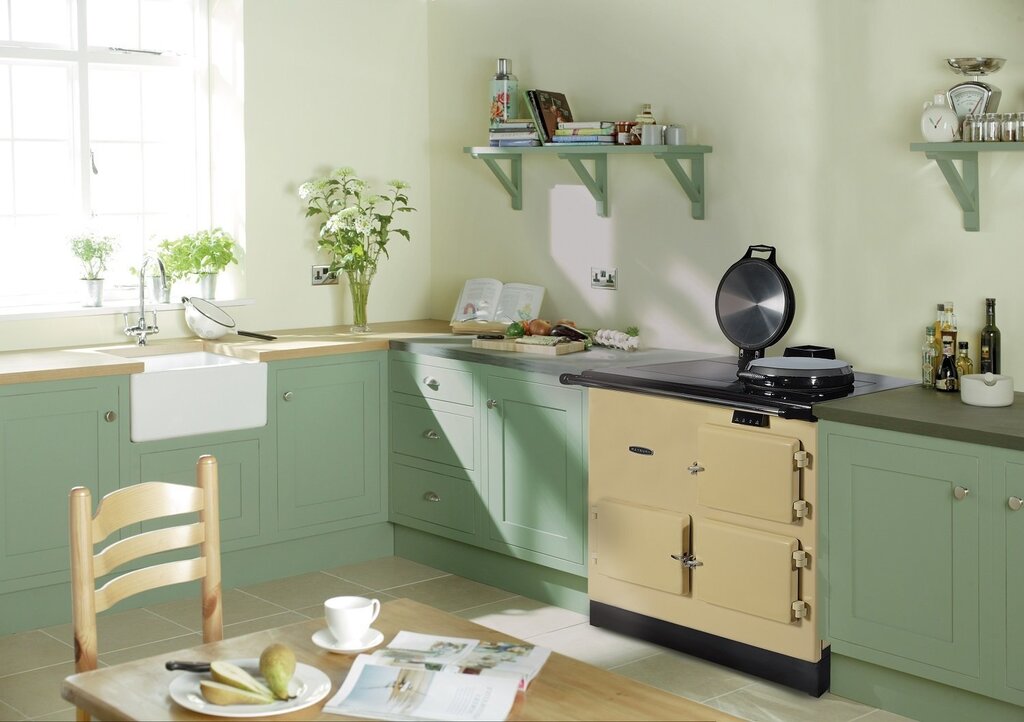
(141, 329)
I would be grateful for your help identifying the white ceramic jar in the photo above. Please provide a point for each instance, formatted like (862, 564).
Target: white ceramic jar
(986, 389)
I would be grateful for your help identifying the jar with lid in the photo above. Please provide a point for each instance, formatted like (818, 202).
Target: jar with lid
(1020, 126)
(1009, 127)
(971, 131)
(990, 127)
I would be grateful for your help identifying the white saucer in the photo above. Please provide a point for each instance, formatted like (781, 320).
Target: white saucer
(325, 640)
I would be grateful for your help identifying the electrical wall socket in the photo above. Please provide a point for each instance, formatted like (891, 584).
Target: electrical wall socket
(321, 277)
(606, 278)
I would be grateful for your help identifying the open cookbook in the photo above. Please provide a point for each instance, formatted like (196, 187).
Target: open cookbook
(487, 304)
(426, 677)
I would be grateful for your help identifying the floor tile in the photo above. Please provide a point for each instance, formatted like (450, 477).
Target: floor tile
(148, 650)
(9, 713)
(767, 702)
(522, 617)
(880, 715)
(29, 650)
(386, 572)
(238, 607)
(258, 625)
(685, 676)
(124, 629)
(317, 611)
(451, 593)
(305, 590)
(64, 715)
(37, 692)
(596, 646)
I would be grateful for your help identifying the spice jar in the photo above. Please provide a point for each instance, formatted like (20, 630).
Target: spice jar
(990, 127)
(1009, 127)
(972, 129)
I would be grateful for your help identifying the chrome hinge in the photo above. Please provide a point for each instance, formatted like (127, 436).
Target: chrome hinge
(687, 560)
(802, 458)
(799, 609)
(800, 508)
(801, 558)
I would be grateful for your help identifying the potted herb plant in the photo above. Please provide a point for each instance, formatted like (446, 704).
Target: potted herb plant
(202, 255)
(93, 252)
(355, 228)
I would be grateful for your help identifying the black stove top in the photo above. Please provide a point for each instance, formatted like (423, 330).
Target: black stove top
(714, 380)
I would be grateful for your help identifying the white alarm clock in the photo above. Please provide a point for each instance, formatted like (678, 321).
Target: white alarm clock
(939, 122)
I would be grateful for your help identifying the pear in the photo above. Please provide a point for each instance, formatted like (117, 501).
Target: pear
(234, 676)
(277, 665)
(220, 693)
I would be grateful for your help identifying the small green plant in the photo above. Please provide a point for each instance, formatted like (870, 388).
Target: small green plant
(93, 252)
(202, 252)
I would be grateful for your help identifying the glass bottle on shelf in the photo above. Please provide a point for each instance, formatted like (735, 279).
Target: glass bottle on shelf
(929, 357)
(964, 365)
(948, 325)
(946, 379)
(504, 95)
(990, 340)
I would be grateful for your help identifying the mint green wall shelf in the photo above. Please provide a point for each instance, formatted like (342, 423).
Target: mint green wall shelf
(964, 185)
(596, 181)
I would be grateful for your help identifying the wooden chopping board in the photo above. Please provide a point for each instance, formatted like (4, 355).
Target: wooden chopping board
(510, 345)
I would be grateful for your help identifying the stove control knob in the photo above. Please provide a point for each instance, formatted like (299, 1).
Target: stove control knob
(694, 468)
(961, 493)
(1015, 503)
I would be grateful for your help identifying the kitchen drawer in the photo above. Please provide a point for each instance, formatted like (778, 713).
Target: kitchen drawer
(433, 498)
(432, 382)
(440, 436)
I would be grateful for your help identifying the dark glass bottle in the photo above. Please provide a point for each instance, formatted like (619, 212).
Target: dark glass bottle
(990, 340)
(947, 379)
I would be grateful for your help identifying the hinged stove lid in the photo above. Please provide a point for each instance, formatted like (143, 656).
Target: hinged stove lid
(754, 303)
(792, 372)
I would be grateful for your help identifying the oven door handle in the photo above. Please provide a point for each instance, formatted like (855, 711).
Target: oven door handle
(687, 560)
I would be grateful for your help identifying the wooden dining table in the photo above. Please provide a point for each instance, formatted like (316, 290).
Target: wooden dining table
(565, 688)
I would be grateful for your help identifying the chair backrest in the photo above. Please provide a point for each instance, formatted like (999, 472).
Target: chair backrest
(132, 505)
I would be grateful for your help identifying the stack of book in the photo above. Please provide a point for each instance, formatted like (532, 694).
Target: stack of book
(514, 133)
(584, 131)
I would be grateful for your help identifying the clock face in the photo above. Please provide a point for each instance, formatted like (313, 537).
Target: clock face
(970, 98)
(939, 124)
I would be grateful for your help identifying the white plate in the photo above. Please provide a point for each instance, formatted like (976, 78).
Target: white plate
(325, 640)
(308, 686)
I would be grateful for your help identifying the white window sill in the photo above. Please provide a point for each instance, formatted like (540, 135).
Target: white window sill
(112, 308)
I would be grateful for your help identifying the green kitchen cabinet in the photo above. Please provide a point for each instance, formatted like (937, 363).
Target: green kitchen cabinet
(536, 483)
(330, 425)
(922, 555)
(55, 435)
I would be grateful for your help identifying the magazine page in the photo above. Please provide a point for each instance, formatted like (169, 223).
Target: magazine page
(412, 649)
(478, 300)
(506, 658)
(396, 693)
(518, 302)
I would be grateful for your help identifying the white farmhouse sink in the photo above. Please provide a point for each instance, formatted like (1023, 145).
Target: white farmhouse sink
(182, 394)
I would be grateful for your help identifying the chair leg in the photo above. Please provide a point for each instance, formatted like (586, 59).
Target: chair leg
(81, 715)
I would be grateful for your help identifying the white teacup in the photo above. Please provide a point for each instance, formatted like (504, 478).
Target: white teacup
(349, 618)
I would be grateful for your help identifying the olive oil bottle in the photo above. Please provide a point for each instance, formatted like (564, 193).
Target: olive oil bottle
(964, 365)
(990, 340)
(931, 353)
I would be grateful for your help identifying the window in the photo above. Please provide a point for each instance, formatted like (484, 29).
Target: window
(103, 128)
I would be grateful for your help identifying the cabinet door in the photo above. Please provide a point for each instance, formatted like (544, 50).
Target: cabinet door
(52, 441)
(904, 551)
(535, 477)
(238, 467)
(329, 443)
(1013, 516)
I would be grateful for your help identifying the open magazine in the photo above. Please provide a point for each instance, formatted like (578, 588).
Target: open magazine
(426, 677)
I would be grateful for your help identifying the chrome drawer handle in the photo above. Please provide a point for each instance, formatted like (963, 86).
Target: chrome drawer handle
(961, 493)
(431, 383)
(492, 403)
(431, 434)
(110, 416)
(1015, 503)
(694, 468)
(431, 496)
(687, 560)
(287, 396)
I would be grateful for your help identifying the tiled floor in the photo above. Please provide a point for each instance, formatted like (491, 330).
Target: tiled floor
(32, 664)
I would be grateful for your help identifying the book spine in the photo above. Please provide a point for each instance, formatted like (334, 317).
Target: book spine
(514, 143)
(586, 124)
(531, 105)
(583, 139)
(524, 135)
(584, 131)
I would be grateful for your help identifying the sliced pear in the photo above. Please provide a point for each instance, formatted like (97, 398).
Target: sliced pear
(220, 693)
(234, 676)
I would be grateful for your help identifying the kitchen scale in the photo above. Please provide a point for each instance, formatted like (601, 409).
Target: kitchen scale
(973, 97)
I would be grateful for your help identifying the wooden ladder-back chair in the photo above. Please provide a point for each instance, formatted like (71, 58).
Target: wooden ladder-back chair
(132, 505)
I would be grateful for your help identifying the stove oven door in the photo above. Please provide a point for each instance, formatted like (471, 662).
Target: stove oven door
(641, 545)
(748, 472)
(747, 570)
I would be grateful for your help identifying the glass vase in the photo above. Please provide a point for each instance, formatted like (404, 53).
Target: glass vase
(359, 287)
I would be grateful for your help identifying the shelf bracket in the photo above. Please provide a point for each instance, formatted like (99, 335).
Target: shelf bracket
(596, 183)
(514, 185)
(965, 186)
(692, 184)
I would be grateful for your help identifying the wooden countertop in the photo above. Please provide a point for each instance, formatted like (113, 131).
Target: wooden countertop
(76, 363)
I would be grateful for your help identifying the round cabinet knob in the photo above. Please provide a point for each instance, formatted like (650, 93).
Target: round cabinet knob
(287, 396)
(1015, 503)
(492, 403)
(431, 382)
(431, 496)
(431, 434)
(961, 493)
(110, 416)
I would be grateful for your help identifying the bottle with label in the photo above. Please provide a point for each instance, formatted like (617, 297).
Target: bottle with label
(504, 94)
(990, 340)
(946, 379)
(964, 365)
(948, 323)
(930, 354)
